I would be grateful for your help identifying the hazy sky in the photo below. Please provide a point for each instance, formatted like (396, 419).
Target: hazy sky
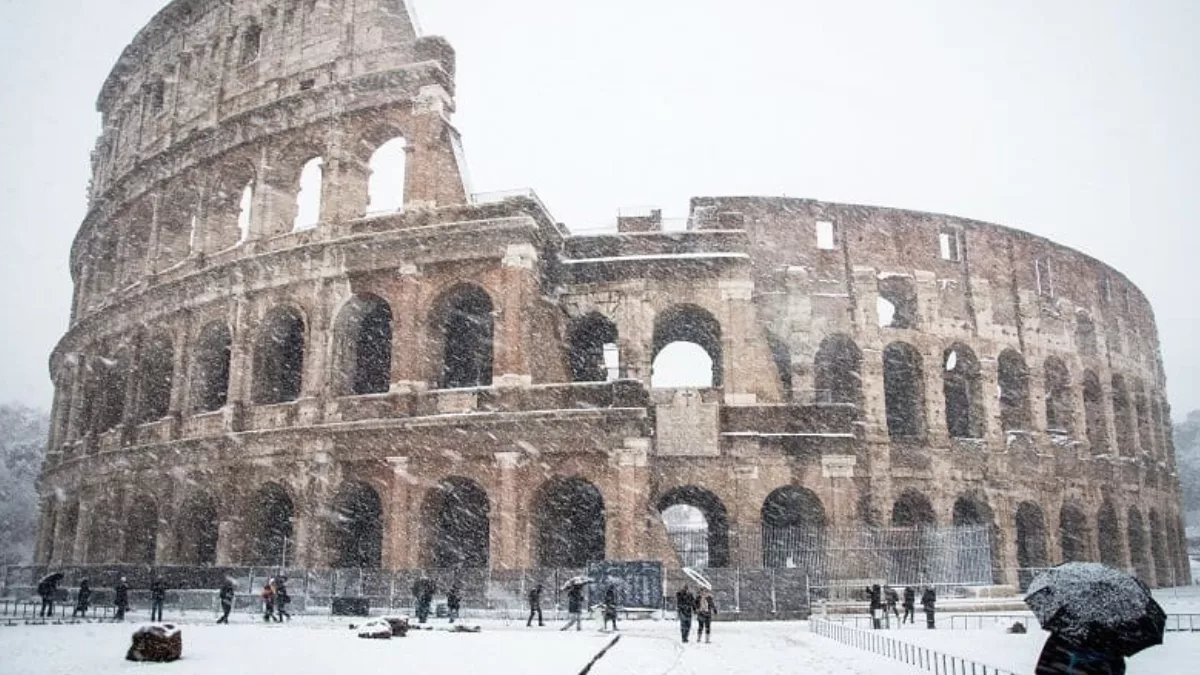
(1078, 120)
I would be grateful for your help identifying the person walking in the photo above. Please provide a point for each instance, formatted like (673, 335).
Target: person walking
(875, 595)
(47, 588)
(685, 605)
(453, 603)
(226, 596)
(706, 609)
(282, 600)
(158, 593)
(910, 603)
(268, 600)
(891, 598)
(1061, 657)
(82, 599)
(575, 607)
(535, 606)
(928, 600)
(121, 599)
(610, 607)
(423, 590)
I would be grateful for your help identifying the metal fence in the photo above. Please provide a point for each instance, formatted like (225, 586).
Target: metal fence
(924, 658)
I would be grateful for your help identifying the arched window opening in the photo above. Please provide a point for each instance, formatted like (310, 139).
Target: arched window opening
(697, 526)
(1108, 531)
(913, 509)
(793, 529)
(308, 200)
(466, 323)
(1031, 542)
(1142, 408)
(839, 371)
(101, 546)
(141, 532)
(897, 303)
(251, 45)
(1073, 534)
(593, 344)
(1122, 416)
(570, 523)
(1093, 407)
(134, 243)
(974, 563)
(1158, 550)
(357, 528)
(904, 390)
(1137, 546)
(686, 349)
(176, 227)
(198, 531)
(1176, 551)
(781, 355)
(385, 189)
(456, 520)
(279, 357)
(1014, 391)
(1060, 408)
(108, 391)
(364, 344)
(210, 376)
(245, 212)
(271, 542)
(1085, 334)
(963, 389)
(156, 374)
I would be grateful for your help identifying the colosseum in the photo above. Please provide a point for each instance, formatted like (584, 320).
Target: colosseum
(286, 351)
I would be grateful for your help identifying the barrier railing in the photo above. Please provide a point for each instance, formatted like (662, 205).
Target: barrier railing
(938, 663)
(30, 610)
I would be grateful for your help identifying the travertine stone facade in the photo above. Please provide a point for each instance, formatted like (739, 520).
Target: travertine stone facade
(229, 380)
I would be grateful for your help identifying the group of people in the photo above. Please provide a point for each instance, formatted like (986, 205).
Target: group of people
(424, 589)
(275, 600)
(47, 589)
(883, 601)
(702, 605)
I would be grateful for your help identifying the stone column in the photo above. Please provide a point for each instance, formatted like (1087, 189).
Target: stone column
(746, 525)
(514, 349)
(75, 411)
(504, 531)
(228, 542)
(76, 550)
(240, 362)
(738, 367)
(632, 463)
(432, 176)
(409, 348)
(397, 549)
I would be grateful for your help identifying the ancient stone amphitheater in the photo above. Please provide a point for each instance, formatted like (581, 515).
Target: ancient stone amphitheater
(283, 352)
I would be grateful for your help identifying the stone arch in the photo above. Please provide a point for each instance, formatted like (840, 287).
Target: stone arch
(781, 356)
(1032, 552)
(107, 390)
(363, 347)
(570, 522)
(1122, 416)
(593, 343)
(133, 248)
(1163, 569)
(101, 545)
(309, 197)
(356, 535)
(279, 357)
(1073, 534)
(793, 527)
(1175, 556)
(271, 529)
(1137, 545)
(156, 376)
(1085, 334)
(1156, 413)
(198, 530)
(1141, 408)
(210, 367)
(457, 525)
(464, 324)
(716, 534)
(897, 302)
(385, 187)
(229, 207)
(1060, 408)
(962, 385)
(1014, 391)
(973, 510)
(141, 532)
(913, 509)
(904, 390)
(178, 220)
(688, 324)
(838, 366)
(1093, 406)
(103, 260)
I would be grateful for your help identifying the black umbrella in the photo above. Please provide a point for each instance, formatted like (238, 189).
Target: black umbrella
(1096, 606)
(52, 578)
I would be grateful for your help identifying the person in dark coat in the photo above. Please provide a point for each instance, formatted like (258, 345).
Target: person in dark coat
(47, 589)
(453, 602)
(910, 604)
(268, 600)
(610, 606)
(226, 596)
(890, 599)
(685, 604)
(928, 599)
(706, 609)
(282, 599)
(121, 599)
(423, 590)
(82, 599)
(575, 607)
(1061, 657)
(875, 595)
(535, 606)
(158, 593)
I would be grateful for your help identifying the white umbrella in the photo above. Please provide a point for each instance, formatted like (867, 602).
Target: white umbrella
(575, 581)
(698, 578)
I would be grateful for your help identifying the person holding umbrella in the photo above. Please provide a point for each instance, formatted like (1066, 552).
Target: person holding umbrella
(535, 606)
(685, 604)
(706, 607)
(575, 604)
(82, 599)
(1096, 615)
(610, 607)
(47, 588)
(121, 599)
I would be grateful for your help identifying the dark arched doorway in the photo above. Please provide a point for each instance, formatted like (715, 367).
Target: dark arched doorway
(1108, 531)
(141, 532)
(1073, 534)
(457, 525)
(1031, 542)
(196, 537)
(793, 529)
(687, 537)
(569, 518)
(271, 541)
(357, 532)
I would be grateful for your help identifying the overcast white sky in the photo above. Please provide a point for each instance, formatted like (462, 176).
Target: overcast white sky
(1078, 120)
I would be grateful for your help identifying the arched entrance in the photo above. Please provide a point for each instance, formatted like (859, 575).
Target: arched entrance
(912, 509)
(141, 532)
(697, 525)
(1073, 534)
(569, 518)
(1031, 542)
(196, 536)
(272, 510)
(457, 526)
(464, 324)
(793, 529)
(1108, 531)
(1137, 546)
(1163, 572)
(357, 532)
(972, 563)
